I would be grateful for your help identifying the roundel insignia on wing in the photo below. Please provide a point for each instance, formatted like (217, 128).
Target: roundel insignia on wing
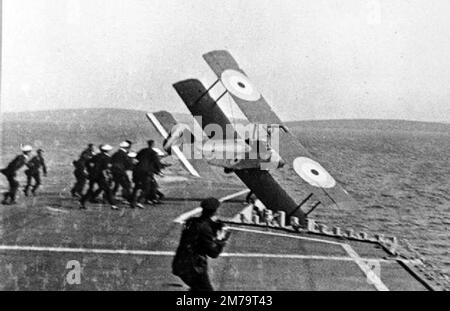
(313, 173)
(239, 85)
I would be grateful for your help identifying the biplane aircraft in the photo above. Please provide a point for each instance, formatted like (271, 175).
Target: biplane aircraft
(254, 159)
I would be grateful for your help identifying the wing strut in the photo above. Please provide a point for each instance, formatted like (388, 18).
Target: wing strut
(218, 98)
(300, 205)
(206, 92)
(313, 208)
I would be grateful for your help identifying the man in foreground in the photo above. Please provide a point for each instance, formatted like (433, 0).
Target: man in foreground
(202, 237)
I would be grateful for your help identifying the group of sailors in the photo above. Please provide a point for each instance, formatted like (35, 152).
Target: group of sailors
(34, 165)
(106, 173)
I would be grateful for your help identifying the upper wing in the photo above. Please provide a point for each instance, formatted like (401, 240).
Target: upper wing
(244, 93)
(300, 163)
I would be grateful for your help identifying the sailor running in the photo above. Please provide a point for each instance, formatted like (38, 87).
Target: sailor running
(10, 171)
(148, 164)
(33, 172)
(121, 163)
(100, 174)
(81, 172)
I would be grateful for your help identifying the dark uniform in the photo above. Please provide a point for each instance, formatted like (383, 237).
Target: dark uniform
(143, 174)
(198, 241)
(33, 172)
(149, 160)
(154, 194)
(158, 194)
(11, 172)
(121, 163)
(100, 174)
(80, 172)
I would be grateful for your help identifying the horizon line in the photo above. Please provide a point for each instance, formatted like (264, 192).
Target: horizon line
(185, 113)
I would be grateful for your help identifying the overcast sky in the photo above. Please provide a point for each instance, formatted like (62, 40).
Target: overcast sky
(310, 59)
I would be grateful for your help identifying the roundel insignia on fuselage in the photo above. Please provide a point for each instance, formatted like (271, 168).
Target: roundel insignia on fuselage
(239, 85)
(313, 173)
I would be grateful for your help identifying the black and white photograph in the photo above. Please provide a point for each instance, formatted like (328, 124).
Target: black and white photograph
(241, 147)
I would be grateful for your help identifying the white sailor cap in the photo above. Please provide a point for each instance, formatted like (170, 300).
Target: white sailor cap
(132, 154)
(124, 144)
(105, 147)
(26, 148)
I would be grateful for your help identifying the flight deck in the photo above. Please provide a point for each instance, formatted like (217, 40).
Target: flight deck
(132, 249)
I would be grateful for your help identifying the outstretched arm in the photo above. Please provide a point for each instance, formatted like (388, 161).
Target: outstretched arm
(44, 167)
(209, 243)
